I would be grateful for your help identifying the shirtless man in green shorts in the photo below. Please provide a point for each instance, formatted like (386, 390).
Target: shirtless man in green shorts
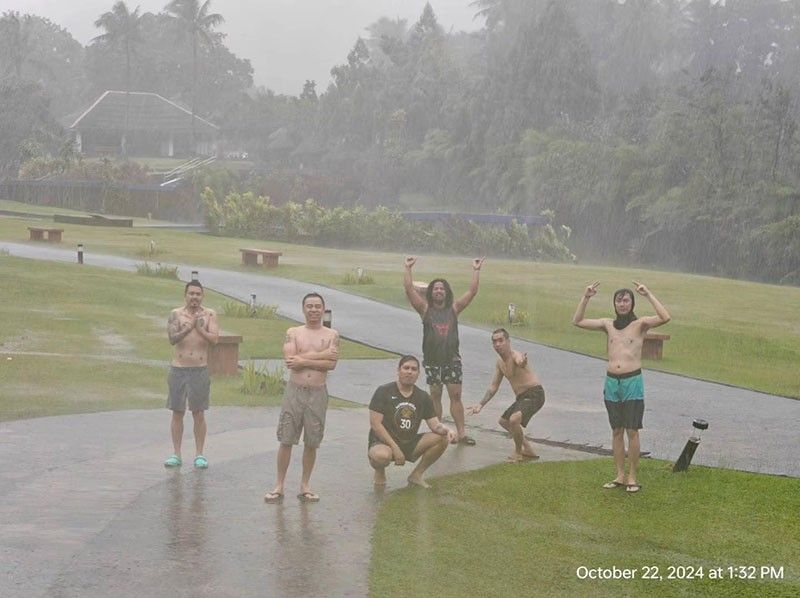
(513, 365)
(624, 388)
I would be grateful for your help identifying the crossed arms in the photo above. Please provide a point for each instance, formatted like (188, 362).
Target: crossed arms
(323, 360)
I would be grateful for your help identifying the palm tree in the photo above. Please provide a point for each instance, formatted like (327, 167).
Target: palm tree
(16, 45)
(122, 29)
(195, 21)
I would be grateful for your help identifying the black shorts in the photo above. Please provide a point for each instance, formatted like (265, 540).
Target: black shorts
(625, 414)
(407, 447)
(437, 375)
(528, 403)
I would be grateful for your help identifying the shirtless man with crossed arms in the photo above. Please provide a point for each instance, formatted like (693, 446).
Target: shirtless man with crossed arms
(310, 352)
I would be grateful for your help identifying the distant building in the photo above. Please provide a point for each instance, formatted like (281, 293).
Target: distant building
(156, 127)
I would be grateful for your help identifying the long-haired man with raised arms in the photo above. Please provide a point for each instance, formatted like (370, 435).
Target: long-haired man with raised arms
(441, 359)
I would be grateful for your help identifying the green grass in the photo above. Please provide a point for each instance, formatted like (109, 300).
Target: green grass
(729, 331)
(26, 208)
(78, 313)
(524, 531)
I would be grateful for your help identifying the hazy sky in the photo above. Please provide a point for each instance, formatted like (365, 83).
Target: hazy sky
(287, 41)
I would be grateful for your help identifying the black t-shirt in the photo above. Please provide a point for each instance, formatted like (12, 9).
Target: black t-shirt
(401, 416)
(440, 335)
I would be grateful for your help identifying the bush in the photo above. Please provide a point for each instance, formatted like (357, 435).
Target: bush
(246, 215)
(239, 309)
(158, 271)
(264, 381)
(522, 318)
(352, 277)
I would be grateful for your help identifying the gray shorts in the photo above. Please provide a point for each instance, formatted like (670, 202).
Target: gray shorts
(188, 383)
(303, 410)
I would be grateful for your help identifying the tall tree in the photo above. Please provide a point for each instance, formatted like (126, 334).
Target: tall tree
(196, 22)
(17, 45)
(123, 30)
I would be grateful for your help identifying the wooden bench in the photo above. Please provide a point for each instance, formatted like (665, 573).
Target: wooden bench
(269, 258)
(52, 235)
(653, 346)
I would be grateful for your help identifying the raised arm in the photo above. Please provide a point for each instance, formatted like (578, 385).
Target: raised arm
(462, 302)
(579, 319)
(175, 332)
(662, 315)
(497, 378)
(417, 302)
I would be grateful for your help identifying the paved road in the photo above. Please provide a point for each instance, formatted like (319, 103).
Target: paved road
(85, 509)
(748, 430)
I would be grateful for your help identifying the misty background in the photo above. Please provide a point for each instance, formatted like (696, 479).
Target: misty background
(655, 132)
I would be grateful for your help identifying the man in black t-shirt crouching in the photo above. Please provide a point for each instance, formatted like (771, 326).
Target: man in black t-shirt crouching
(395, 413)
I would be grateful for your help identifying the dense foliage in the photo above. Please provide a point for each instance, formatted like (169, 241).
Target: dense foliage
(661, 132)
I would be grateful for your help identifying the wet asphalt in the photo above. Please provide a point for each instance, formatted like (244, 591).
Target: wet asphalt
(87, 510)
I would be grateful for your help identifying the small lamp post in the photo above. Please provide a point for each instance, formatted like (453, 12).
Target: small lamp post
(359, 274)
(512, 313)
(682, 464)
(252, 304)
(327, 318)
(80, 253)
(194, 276)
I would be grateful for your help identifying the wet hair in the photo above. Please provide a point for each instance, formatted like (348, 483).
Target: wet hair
(622, 321)
(502, 331)
(192, 283)
(406, 358)
(309, 295)
(448, 292)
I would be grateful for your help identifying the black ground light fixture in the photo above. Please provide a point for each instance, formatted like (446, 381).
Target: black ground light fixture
(512, 313)
(682, 464)
(327, 318)
(194, 276)
(80, 253)
(252, 304)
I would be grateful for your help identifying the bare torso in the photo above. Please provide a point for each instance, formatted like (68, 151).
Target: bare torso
(310, 340)
(192, 350)
(521, 378)
(625, 346)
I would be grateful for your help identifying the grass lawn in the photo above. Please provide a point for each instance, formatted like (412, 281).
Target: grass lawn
(107, 330)
(741, 333)
(26, 208)
(524, 530)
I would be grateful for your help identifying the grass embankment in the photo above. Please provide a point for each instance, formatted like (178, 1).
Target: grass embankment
(525, 531)
(730, 331)
(78, 313)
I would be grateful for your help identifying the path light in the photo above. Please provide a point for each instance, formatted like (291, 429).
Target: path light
(327, 318)
(152, 246)
(80, 253)
(194, 276)
(360, 273)
(252, 304)
(512, 313)
(682, 464)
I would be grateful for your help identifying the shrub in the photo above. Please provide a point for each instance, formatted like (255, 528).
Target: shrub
(158, 271)
(239, 309)
(352, 277)
(264, 381)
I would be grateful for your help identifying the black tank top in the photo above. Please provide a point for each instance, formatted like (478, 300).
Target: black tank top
(440, 336)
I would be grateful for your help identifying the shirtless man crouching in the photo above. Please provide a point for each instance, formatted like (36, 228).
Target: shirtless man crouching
(310, 352)
(192, 329)
(513, 365)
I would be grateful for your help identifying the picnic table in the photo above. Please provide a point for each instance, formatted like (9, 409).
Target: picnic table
(269, 259)
(52, 235)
